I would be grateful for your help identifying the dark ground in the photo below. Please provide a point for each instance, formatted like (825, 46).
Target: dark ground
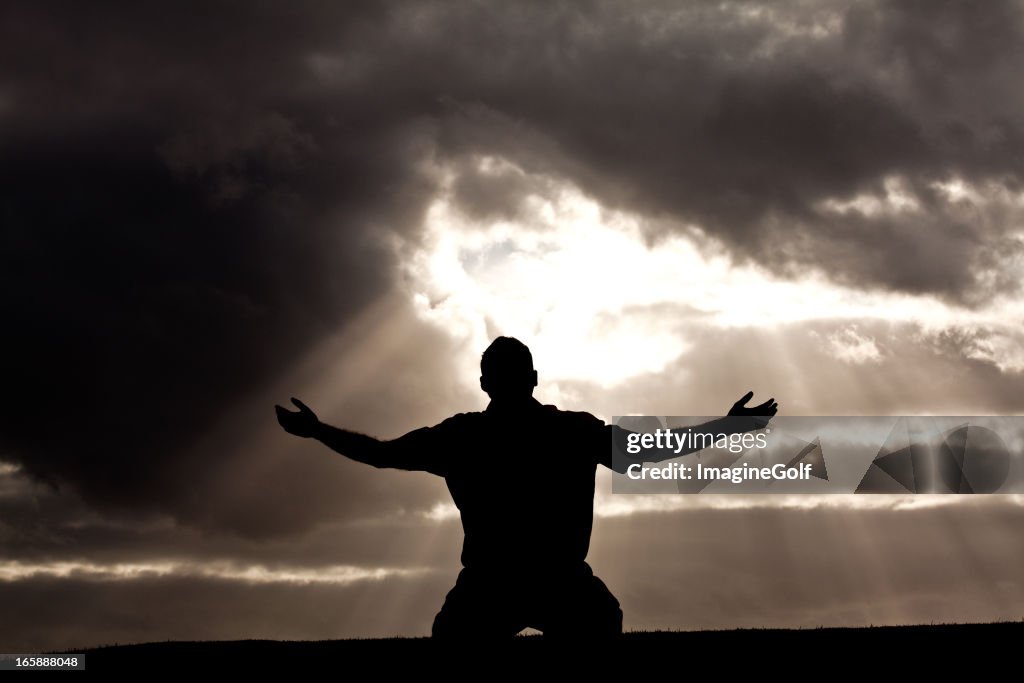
(877, 651)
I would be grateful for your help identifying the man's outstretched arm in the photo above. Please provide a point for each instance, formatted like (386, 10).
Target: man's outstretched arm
(402, 453)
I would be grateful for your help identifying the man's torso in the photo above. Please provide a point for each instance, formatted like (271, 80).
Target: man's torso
(524, 484)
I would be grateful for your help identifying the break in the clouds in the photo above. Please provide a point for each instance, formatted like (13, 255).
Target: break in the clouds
(203, 212)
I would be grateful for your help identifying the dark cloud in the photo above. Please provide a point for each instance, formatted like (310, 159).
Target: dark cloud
(183, 216)
(744, 118)
(39, 526)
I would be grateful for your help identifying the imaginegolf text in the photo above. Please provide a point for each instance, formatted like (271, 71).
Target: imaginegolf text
(734, 474)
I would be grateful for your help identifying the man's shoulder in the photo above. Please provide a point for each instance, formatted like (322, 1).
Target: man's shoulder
(578, 417)
(462, 420)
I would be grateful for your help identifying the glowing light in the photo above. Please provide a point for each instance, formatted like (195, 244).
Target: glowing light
(14, 570)
(598, 301)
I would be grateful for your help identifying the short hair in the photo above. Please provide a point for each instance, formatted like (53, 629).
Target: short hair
(506, 355)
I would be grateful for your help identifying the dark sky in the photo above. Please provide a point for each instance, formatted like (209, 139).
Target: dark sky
(204, 211)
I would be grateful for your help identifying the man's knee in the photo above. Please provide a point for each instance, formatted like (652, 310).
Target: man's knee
(456, 616)
(476, 610)
(605, 613)
(448, 626)
(591, 612)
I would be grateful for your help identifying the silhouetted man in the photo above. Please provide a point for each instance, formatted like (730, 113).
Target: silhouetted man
(522, 476)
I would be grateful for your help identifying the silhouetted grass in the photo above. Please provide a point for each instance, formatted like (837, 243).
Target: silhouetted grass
(934, 647)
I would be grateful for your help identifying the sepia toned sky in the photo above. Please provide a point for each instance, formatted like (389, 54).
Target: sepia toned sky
(204, 212)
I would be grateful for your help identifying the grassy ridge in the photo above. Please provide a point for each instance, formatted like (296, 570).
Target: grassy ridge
(917, 648)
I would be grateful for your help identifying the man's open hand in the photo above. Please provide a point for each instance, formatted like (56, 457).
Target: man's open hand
(301, 422)
(766, 409)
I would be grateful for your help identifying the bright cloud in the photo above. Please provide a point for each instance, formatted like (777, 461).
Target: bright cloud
(598, 301)
(14, 570)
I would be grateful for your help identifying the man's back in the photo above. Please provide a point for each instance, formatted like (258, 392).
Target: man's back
(523, 480)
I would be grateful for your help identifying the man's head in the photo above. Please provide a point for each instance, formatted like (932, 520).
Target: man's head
(506, 370)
